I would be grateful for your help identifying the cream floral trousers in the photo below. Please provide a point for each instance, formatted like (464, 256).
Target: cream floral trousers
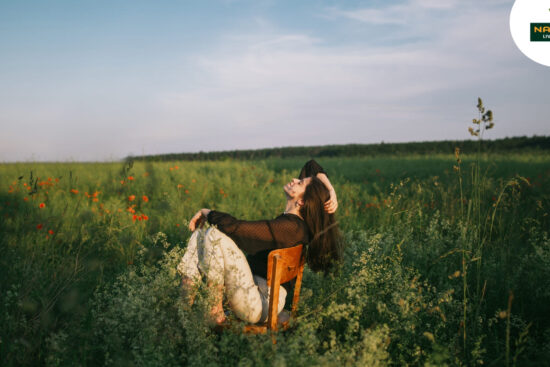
(213, 255)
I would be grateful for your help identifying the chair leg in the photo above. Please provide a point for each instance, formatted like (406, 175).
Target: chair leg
(275, 280)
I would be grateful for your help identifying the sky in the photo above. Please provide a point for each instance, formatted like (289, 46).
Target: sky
(101, 80)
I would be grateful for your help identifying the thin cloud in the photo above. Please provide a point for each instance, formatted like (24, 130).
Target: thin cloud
(434, 4)
(412, 12)
(396, 14)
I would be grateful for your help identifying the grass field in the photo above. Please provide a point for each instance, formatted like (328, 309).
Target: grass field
(446, 263)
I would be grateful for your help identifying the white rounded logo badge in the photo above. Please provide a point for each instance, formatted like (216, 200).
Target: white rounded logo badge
(530, 28)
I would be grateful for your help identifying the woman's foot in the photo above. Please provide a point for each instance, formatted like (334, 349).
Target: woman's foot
(217, 316)
(216, 313)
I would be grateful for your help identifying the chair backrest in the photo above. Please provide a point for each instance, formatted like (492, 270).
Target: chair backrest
(283, 265)
(290, 260)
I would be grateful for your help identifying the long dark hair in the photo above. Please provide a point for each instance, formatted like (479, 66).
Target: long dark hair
(324, 250)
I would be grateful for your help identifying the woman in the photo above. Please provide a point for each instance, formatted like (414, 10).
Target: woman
(218, 254)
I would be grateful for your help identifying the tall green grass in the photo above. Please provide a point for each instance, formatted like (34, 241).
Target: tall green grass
(432, 258)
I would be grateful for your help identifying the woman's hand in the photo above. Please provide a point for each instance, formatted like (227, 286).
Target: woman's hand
(198, 219)
(332, 203)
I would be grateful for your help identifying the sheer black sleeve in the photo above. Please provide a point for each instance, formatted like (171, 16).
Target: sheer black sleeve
(256, 236)
(310, 169)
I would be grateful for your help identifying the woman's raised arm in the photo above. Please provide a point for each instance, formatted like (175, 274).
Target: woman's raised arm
(332, 203)
(312, 168)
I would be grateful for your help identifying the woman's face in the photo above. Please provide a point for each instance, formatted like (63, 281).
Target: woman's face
(295, 189)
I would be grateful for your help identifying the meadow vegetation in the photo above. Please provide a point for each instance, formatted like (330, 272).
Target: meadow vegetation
(447, 262)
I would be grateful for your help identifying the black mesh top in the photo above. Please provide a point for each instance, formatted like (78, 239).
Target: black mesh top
(258, 238)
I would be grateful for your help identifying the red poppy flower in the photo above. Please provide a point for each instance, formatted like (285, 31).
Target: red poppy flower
(51, 232)
(145, 198)
(42, 205)
(131, 197)
(39, 226)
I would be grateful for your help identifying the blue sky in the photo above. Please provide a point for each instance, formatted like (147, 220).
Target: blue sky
(99, 80)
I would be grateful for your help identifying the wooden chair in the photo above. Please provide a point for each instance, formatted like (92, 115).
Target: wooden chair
(283, 265)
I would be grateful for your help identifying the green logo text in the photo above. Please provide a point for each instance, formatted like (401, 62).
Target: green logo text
(540, 32)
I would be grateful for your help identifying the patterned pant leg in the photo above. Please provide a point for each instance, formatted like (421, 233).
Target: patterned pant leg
(216, 256)
(224, 262)
(189, 264)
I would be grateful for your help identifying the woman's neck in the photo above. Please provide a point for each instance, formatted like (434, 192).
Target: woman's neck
(292, 208)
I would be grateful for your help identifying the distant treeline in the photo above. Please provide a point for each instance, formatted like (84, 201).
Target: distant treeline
(516, 144)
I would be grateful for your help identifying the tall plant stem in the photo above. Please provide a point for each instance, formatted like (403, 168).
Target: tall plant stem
(508, 312)
(464, 300)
